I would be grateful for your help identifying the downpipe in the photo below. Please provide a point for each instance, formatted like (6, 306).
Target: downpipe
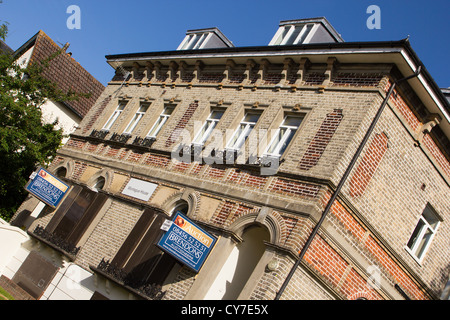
(343, 180)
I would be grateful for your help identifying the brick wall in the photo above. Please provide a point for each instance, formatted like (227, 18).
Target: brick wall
(321, 140)
(368, 164)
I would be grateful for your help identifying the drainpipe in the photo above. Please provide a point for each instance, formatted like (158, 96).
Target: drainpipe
(343, 180)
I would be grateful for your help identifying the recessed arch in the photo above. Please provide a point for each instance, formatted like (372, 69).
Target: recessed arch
(189, 196)
(101, 180)
(64, 169)
(260, 216)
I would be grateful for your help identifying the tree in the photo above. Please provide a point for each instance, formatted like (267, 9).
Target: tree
(25, 140)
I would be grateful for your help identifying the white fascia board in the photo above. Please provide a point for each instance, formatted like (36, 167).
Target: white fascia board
(255, 54)
(426, 86)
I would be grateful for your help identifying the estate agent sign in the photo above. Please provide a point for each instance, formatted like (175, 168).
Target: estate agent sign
(46, 187)
(187, 242)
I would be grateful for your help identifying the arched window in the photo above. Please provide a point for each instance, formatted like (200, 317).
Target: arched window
(99, 184)
(61, 172)
(181, 206)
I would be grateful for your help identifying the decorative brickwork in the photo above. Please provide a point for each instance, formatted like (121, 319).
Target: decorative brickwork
(294, 188)
(321, 139)
(98, 111)
(182, 123)
(368, 165)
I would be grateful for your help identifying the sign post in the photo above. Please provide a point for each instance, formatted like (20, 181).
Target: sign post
(46, 187)
(187, 242)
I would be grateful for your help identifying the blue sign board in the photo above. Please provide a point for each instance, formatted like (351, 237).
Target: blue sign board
(46, 187)
(187, 242)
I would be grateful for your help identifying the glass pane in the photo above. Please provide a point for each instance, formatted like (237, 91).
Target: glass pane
(183, 207)
(294, 35)
(276, 140)
(415, 234)
(286, 141)
(216, 115)
(133, 123)
(237, 134)
(292, 121)
(251, 117)
(143, 108)
(168, 111)
(423, 243)
(430, 217)
(282, 35)
(154, 131)
(305, 34)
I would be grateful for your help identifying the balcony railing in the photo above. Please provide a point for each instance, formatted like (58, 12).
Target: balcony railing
(56, 241)
(151, 291)
(122, 138)
(99, 134)
(144, 142)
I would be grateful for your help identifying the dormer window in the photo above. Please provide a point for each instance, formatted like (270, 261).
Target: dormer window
(292, 34)
(204, 39)
(194, 41)
(305, 31)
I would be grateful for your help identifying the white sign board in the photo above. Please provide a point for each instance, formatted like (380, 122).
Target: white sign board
(166, 225)
(139, 189)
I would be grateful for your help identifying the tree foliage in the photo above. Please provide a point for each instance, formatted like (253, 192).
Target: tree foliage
(25, 140)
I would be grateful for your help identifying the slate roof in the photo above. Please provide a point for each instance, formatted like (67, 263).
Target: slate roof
(65, 71)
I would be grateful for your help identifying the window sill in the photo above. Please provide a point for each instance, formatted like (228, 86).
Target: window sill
(414, 257)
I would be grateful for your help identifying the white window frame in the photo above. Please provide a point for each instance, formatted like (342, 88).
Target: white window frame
(289, 129)
(281, 40)
(242, 137)
(413, 250)
(209, 124)
(112, 119)
(136, 118)
(162, 119)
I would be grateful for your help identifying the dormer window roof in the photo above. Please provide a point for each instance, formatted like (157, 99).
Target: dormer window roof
(204, 39)
(304, 31)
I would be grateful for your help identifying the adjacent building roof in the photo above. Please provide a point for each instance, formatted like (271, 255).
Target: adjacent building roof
(65, 71)
(5, 48)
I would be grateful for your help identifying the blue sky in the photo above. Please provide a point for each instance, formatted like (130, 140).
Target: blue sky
(118, 26)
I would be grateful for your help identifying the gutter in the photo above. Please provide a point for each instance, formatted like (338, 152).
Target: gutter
(342, 181)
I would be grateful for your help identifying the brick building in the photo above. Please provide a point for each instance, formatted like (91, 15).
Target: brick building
(250, 143)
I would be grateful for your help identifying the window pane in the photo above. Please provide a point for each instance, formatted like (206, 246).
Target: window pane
(114, 116)
(156, 127)
(252, 117)
(305, 33)
(292, 121)
(74, 213)
(294, 35)
(430, 217)
(168, 110)
(237, 134)
(423, 243)
(276, 140)
(286, 142)
(415, 235)
(216, 115)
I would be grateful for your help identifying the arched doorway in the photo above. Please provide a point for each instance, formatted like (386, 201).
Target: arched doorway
(240, 264)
